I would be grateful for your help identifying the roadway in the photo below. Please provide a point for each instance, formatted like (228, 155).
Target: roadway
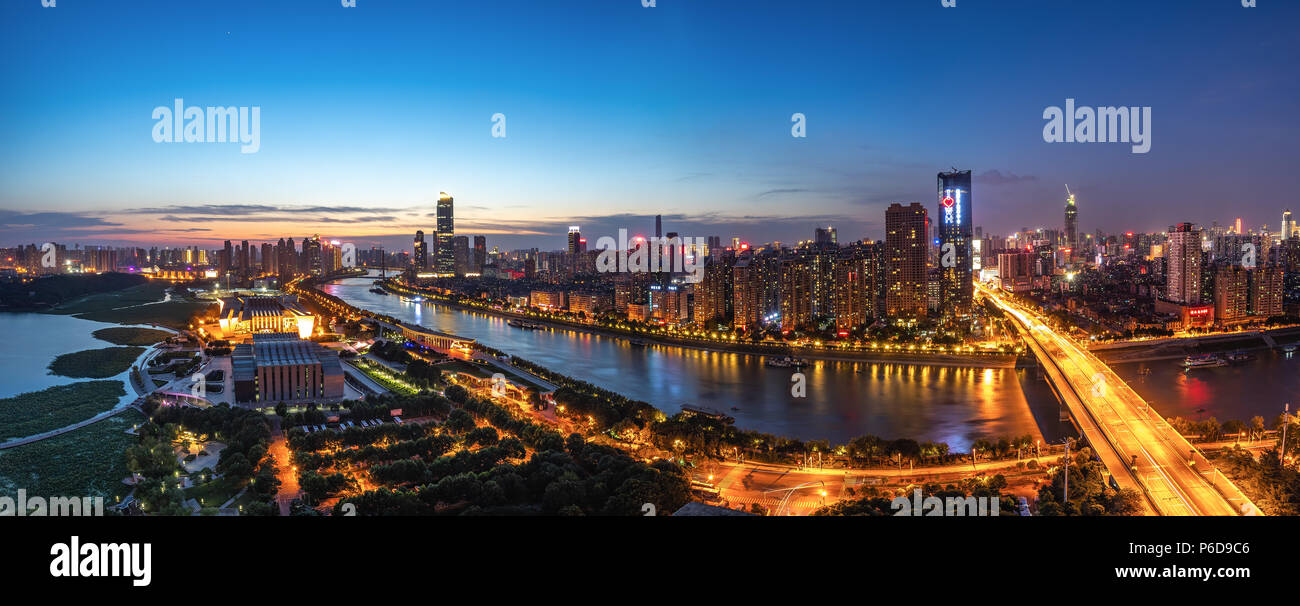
(1133, 441)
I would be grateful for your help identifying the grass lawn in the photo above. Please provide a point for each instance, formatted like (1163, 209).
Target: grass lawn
(130, 335)
(148, 292)
(40, 411)
(90, 461)
(383, 375)
(95, 363)
(216, 492)
(173, 314)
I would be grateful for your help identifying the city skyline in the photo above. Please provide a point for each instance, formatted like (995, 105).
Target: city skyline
(360, 157)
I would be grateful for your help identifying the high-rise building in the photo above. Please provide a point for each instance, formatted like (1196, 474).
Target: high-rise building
(460, 252)
(825, 236)
(1288, 225)
(746, 298)
(796, 293)
(1016, 270)
(1071, 224)
(480, 254)
(576, 243)
(905, 250)
(855, 287)
(713, 293)
(444, 254)
(956, 277)
(269, 258)
(421, 251)
(1265, 297)
(1230, 293)
(227, 258)
(821, 260)
(1183, 276)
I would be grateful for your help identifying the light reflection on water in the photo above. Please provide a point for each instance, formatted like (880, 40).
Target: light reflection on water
(844, 399)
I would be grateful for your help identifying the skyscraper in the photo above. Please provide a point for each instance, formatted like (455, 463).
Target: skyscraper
(796, 293)
(576, 243)
(480, 253)
(227, 258)
(746, 295)
(905, 250)
(824, 236)
(1230, 293)
(855, 284)
(421, 251)
(956, 286)
(1071, 223)
(1183, 277)
(1288, 225)
(1265, 296)
(444, 254)
(461, 254)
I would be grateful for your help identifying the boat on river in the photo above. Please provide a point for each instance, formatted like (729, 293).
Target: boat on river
(1204, 361)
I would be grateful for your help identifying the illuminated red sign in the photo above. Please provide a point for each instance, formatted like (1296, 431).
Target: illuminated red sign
(1198, 311)
(948, 201)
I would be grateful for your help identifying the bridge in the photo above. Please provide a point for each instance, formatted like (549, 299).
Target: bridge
(1141, 450)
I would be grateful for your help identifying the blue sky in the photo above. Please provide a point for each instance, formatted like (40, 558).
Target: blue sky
(615, 112)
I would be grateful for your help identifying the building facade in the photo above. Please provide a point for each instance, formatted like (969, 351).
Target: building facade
(906, 249)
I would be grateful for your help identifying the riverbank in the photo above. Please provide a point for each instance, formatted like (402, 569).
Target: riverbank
(973, 360)
(1179, 347)
(842, 400)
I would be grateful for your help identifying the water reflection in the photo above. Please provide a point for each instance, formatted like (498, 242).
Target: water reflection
(844, 399)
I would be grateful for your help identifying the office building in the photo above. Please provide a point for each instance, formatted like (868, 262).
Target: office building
(444, 254)
(956, 270)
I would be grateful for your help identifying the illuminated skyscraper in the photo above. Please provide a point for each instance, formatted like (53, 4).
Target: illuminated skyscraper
(1288, 225)
(444, 254)
(421, 251)
(956, 287)
(1071, 223)
(1183, 278)
(576, 243)
(905, 250)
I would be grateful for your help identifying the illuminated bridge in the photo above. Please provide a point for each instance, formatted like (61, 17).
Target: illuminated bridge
(1141, 450)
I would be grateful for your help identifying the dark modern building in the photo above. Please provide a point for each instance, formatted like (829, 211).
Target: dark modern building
(444, 255)
(956, 286)
(421, 251)
(280, 367)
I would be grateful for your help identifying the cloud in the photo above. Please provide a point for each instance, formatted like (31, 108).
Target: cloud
(243, 209)
(15, 220)
(995, 177)
(773, 192)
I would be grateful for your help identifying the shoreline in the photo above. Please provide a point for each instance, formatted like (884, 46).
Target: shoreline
(1180, 347)
(944, 360)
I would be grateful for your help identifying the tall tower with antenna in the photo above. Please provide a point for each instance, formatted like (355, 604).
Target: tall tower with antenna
(1071, 223)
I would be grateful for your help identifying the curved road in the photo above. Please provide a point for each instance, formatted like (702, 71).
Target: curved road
(1172, 473)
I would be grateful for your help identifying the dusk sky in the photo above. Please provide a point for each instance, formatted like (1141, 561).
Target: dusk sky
(616, 112)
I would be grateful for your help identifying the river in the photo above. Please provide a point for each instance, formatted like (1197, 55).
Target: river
(1260, 387)
(33, 340)
(844, 399)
